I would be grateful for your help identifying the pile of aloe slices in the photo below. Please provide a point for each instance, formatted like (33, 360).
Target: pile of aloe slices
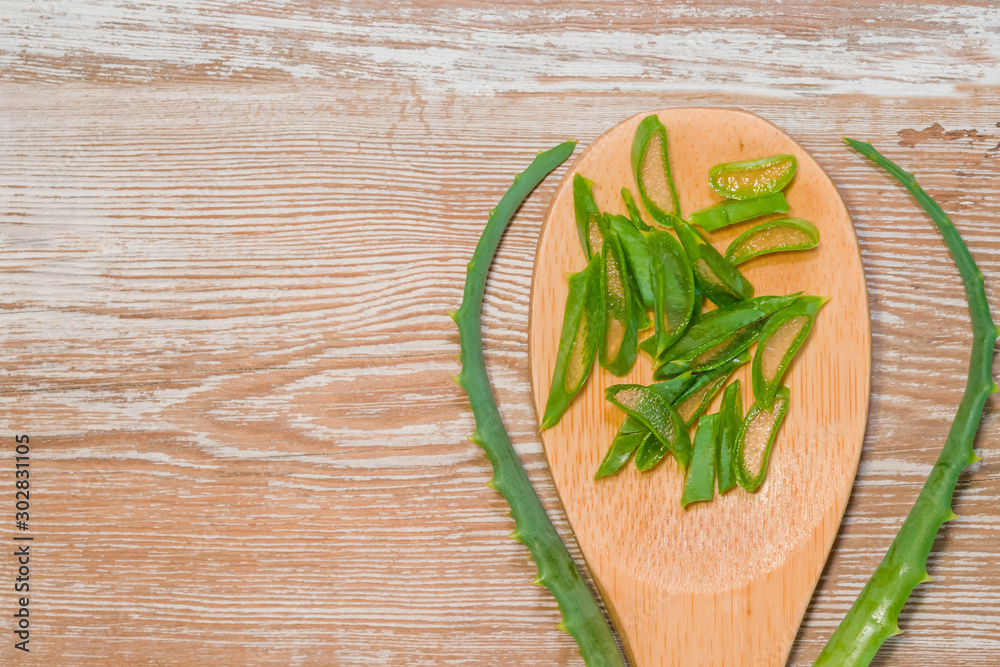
(658, 274)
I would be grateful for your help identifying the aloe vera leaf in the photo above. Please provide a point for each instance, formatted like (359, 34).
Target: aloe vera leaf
(873, 617)
(657, 415)
(578, 341)
(732, 211)
(632, 433)
(589, 222)
(582, 617)
(781, 338)
(637, 256)
(620, 327)
(700, 481)
(731, 418)
(721, 282)
(780, 235)
(651, 168)
(752, 178)
(759, 430)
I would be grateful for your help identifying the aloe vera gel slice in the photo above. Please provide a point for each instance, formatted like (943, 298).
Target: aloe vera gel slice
(588, 217)
(657, 415)
(732, 211)
(632, 433)
(619, 333)
(637, 255)
(700, 481)
(746, 180)
(651, 168)
(714, 328)
(730, 421)
(706, 385)
(673, 290)
(577, 342)
(780, 339)
(773, 236)
(755, 440)
(718, 279)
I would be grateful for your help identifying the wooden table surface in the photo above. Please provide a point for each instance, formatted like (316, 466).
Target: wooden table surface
(230, 234)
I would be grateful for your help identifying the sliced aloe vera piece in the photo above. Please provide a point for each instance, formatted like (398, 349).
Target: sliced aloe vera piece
(656, 414)
(740, 340)
(673, 291)
(753, 178)
(700, 481)
(721, 282)
(632, 433)
(651, 168)
(716, 327)
(730, 421)
(637, 255)
(577, 342)
(773, 236)
(755, 440)
(780, 339)
(706, 386)
(732, 211)
(619, 333)
(633, 211)
(589, 222)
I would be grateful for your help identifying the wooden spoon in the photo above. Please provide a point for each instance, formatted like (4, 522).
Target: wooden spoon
(725, 582)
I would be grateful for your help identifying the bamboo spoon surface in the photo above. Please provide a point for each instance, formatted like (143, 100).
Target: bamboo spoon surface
(725, 582)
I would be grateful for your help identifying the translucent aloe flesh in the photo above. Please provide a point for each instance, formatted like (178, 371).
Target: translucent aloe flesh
(656, 414)
(780, 235)
(651, 168)
(713, 329)
(746, 180)
(588, 217)
(581, 616)
(581, 333)
(705, 387)
(782, 336)
(632, 433)
(620, 330)
(756, 439)
(637, 256)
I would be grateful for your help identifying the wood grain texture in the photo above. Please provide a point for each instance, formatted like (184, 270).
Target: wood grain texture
(726, 582)
(231, 233)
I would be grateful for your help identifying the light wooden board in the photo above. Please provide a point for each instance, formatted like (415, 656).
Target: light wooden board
(230, 236)
(726, 582)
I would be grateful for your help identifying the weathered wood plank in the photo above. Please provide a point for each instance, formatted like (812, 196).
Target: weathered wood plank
(224, 305)
(468, 47)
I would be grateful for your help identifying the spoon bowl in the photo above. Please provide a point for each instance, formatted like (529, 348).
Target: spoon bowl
(725, 582)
